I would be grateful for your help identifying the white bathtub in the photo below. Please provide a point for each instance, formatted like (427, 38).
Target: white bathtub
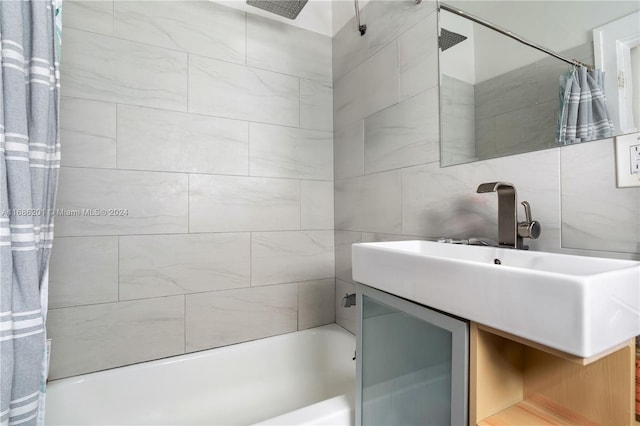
(299, 378)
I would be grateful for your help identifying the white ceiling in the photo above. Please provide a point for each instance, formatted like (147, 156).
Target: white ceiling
(321, 16)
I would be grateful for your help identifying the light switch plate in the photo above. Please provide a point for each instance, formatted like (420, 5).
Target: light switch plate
(628, 160)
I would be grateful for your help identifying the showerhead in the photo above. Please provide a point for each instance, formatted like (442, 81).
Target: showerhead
(449, 39)
(287, 8)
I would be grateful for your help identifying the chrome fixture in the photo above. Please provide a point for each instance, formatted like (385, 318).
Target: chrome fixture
(449, 39)
(511, 232)
(361, 27)
(287, 8)
(348, 300)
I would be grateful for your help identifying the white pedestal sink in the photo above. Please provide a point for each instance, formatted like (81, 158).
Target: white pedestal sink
(579, 305)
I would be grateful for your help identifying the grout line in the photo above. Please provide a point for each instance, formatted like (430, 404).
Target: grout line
(118, 254)
(197, 173)
(184, 323)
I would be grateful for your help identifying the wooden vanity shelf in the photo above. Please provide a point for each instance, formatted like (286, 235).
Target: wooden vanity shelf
(517, 382)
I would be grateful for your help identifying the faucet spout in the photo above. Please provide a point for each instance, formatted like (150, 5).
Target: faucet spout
(507, 212)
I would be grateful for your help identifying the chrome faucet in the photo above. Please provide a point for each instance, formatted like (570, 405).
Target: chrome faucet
(511, 233)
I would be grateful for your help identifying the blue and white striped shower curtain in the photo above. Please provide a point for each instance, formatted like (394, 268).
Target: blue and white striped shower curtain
(29, 164)
(583, 107)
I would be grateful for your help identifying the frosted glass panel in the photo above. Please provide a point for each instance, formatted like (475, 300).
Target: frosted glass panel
(406, 368)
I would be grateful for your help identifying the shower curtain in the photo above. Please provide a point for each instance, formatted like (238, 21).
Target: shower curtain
(29, 164)
(583, 107)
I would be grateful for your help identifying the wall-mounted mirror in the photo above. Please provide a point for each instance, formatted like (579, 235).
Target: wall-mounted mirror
(500, 97)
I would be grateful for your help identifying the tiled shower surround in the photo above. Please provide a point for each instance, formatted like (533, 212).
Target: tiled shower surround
(222, 133)
(388, 181)
(213, 130)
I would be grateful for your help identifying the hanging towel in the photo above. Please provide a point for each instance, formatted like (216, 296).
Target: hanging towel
(583, 107)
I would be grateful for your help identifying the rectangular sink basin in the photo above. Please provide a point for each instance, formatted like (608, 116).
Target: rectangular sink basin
(580, 305)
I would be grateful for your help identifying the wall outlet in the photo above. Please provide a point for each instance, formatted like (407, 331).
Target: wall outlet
(628, 160)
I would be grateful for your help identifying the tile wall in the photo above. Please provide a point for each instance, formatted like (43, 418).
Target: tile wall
(213, 130)
(386, 90)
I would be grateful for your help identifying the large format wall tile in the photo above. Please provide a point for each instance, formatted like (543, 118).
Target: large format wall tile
(370, 203)
(418, 57)
(153, 202)
(316, 303)
(287, 49)
(402, 135)
(441, 202)
(153, 139)
(83, 270)
(343, 242)
(226, 317)
(96, 337)
(369, 88)
(89, 15)
(163, 265)
(109, 69)
(316, 105)
(595, 214)
(385, 21)
(317, 205)
(200, 27)
(349, 151)
(284, 257)
(235, 91)
(277, 151)
(87, 133)
(226, 203)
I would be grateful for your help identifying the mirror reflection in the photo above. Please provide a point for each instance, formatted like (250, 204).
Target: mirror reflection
(500, 97)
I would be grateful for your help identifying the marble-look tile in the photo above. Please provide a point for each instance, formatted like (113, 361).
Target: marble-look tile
(316, 205)
(316, 303)
(348, 148)
(200, 27)
(441, 202)
(114, 70)
(89, 15)
(286, 152)
(369, 88)
(117, 202)
(507, 92)
(405, 134)
(275, 46)
(226, 317)
(226, 204)
(164, 265)
(83, 270)
(345, 317)
(97, 337)
(316, 105)
(87, 133)
(153, 139)
(526, 129)
(235, 91)
(458, 126)
(418, 57)
(485, 134)
(595, 214)
(284, 257)
(370, 203)
(385, 21)
(343, 242)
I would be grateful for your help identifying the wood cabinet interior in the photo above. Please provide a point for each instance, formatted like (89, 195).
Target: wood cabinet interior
(513, 383)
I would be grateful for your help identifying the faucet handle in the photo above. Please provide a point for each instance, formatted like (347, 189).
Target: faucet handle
(529, 228)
